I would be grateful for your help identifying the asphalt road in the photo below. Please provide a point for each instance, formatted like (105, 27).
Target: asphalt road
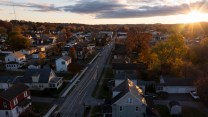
(73, 106)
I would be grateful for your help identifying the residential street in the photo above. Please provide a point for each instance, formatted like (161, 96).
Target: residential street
(74, 103)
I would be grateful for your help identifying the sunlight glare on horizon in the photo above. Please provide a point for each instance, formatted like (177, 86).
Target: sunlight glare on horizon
(194, 16)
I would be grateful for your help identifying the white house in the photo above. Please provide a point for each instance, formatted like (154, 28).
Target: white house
(62, 63)
(14, 60)
(15, 57)
(175, 85)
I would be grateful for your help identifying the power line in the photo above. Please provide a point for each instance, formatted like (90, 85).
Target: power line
(14, 12)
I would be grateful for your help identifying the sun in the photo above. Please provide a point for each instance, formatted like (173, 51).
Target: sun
(194, 16)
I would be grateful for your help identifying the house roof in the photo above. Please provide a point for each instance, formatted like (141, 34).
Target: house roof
(123, 76)
(123, 66)
(66, 58)
(6, 79)
(27, 78)
(174, 103)
(18, 54)
(13, 91)
(126, 87)
(176, 81)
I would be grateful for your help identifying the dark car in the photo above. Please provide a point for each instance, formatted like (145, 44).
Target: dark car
(162, 95)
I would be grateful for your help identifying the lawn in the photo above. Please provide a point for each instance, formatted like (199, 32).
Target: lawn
(103, 92)
(40, 108)
(186, 112)
(66, 76)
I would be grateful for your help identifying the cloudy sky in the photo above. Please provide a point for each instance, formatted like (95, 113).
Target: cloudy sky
(104, 11)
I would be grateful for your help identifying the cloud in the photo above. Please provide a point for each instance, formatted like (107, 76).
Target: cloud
(116, 9)
(33, 6)
(90, 7)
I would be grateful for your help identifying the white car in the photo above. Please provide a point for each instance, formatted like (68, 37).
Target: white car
(194, 95)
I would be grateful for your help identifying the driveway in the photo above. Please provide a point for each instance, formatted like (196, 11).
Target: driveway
(185, 100)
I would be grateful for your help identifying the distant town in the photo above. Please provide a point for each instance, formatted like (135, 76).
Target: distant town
(80, 70)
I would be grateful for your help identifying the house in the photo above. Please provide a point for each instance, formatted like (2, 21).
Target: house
(120, 77)
(129, 101)
(122, 67)
(34, 66)
(14, 60)
(38, 55)
(62, 63)
(15, 57)
(40, 79)
(13, 65)
(15, 101)
(28, 51)
(175, 85)
(174, 108)
(6, 82)
(41, 48)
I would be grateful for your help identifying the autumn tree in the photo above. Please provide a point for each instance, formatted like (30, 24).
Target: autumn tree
(202, 89)
(72, 53)
(138, 42)
(168, 55)
(17, 41)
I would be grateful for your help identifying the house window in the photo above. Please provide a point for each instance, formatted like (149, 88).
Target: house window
(137, 108)
(4, 104)
(121, 108)
(17, 110)
(7, 113)
(63, 62)
(8, 59)
(159, 88)
(25, 94)
(15, 101)
(129, 100)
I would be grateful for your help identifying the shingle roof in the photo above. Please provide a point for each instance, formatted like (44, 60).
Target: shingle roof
(124, 76)
(66, 58)
(6, 79)
(128, 86)
(13, 91)
(173, 103)
(173, 81)
(27, 78)
(18, 54)
(128, 66)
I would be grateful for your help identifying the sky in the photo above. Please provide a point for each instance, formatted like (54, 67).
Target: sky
(105, 11)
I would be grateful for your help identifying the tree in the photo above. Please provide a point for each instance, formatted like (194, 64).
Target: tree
(202, 89)
(72, 53)
(169, 54)
(74, 68)
(137, 41)
(17, 41)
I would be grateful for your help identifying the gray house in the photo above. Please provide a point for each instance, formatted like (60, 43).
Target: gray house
(129, 101)
(40, 79)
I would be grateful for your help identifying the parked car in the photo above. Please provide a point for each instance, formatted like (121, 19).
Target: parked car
(162, 95)
(152, 95)
(194, 95)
